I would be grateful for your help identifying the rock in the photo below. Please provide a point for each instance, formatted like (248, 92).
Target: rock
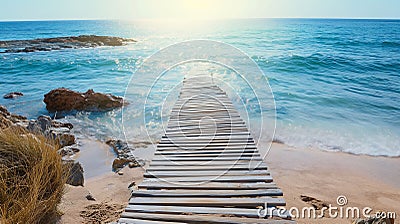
(64, 139)
(316, 203)
(63, 99)
(120, 163)
(120, 147)
(132, 184)
(58, 43)
(124, 155)
(58, 124)
(8, 119)
(75, 177)
(133, 164)
(120, 172)
(44, 122)
(12, 95)
(374, 220)
(68, 151)
(90, 197)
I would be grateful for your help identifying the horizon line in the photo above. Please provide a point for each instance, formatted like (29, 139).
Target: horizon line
(200, 19)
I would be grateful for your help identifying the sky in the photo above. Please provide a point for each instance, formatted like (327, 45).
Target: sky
(11, 10)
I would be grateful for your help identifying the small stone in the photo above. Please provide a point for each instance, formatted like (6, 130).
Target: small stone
(119, 163)
(12, 95)
(90, 197)
(132, 184)
(133, 164)
(120, 173)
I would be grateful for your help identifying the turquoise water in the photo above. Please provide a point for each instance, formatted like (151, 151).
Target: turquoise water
(335, 82)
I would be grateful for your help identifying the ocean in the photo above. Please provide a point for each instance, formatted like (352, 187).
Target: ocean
(336, 83)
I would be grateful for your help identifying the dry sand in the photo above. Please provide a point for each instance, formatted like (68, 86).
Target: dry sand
(108, 189)
(364, 180)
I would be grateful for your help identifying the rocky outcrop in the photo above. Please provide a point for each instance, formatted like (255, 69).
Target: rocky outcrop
(58, 43)
(75, 176)
(63, 99)
(12, 95)
(61, 132)
(8, 119)
(124, 155)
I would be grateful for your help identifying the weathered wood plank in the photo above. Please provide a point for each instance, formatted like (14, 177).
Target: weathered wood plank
(202, 163)
(208, 167)
(209, 202)
(207, 185)
(241, 212)
(202, 154)
(204, 173)
(231, 179)
(200, 219)
(199, 158)
(143, 221)
(208, 193)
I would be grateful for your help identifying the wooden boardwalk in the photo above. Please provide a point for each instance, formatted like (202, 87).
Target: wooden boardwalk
(207, 168)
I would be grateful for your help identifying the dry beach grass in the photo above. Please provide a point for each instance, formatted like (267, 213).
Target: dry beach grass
(32, 177)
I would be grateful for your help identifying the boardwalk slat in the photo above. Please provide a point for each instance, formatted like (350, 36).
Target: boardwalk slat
(207, 185)
(209, 193)
(207, 167)
(242, 212)
(209, 202)
(201, 218)
(204, 173)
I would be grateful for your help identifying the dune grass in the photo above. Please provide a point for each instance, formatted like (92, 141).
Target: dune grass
(32, 177)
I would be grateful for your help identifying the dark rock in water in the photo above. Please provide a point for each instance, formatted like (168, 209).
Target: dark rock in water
(13, 95)
(63, 99)
(75, 177)
(58, 43)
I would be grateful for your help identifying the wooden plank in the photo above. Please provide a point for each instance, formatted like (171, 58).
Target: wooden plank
(169, 135)
(207, 185)
(208, 193)
(194, 143)
(241, 212)
(202, 163)
(199, 158)
(200, 218)
(209, 202)
(143, 221)
(214, 138)
(208, 167)
(202, 154)
(197, 148)
(204, 173)
(231, 179)
(183, 153)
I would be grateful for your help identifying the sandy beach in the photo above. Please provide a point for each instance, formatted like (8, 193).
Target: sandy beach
(364, 180)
